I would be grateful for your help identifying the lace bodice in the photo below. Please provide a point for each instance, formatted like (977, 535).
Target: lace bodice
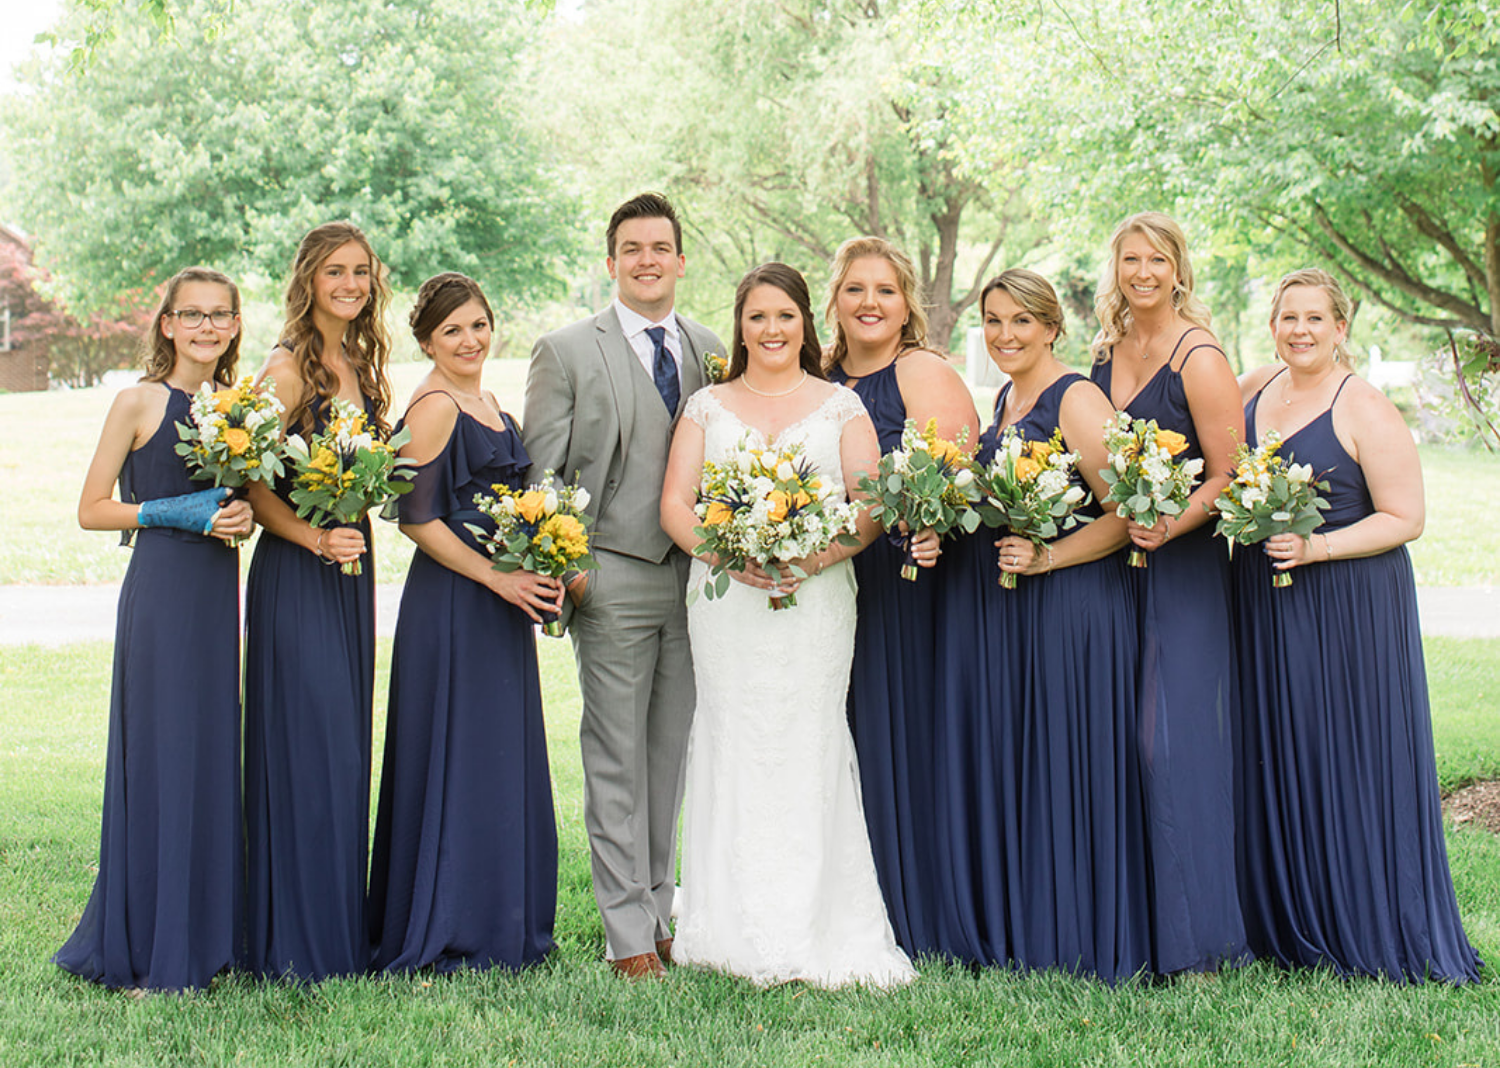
(818, 432)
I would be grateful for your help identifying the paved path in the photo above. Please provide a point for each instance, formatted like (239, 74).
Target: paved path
(57, 615)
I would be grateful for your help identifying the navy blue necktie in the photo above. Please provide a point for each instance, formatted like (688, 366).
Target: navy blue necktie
(664, 369)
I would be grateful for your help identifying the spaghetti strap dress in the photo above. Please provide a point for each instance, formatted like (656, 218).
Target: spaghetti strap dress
(1045, 808)
(891, 699)
(464, 871)
(1187, 698)
(167, 905)
(1342, 858)
(309, 684)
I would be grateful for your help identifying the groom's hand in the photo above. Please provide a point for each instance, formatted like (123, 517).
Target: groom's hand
(577, 587)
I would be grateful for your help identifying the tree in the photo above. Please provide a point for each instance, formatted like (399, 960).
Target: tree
(79, 350)
(1365, 137)
(223, 147)
(784, 129)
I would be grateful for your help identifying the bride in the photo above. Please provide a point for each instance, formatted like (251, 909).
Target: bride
(778, 880)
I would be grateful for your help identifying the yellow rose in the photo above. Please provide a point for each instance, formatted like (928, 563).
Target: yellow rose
(1170, 440)
(718, 512)
(530, 504)
(226, 399)
(238, 440)
(1041, 451)
(801, 499)
(780, 503)
(1027, 469)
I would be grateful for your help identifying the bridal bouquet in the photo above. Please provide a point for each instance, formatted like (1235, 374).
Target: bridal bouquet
(1027, 487)
(928, 483)
(1145, 483)
(769, 507)
(345, 471)
(234, 436)
(1267, 497)
(541, 529)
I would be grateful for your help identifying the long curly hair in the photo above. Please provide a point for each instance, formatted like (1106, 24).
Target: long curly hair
(159, 353)
(1110, 306)
(1338, 300)
(367, 343)
(914, 332)
(789, 281)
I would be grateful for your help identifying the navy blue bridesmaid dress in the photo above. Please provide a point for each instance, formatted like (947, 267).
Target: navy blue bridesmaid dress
(464, 872)
(167, 905)
(1188, 697)
(309, 683)
(891, 690)
(1045, 816)
(1342, 859)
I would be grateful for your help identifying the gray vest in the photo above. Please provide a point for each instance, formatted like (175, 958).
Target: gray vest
(630, 513)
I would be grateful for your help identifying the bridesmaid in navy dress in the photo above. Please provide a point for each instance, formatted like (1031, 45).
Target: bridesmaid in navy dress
(1155, 358)
(167, 904)
(465, 863)
(879, 351)
(1342, 860)
(1045, 787)
(310, 639)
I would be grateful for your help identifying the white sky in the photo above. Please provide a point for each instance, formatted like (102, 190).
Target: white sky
(20, 22)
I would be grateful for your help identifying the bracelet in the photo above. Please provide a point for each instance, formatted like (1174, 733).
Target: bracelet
(1327, 548)
(1049, 558)
(318, 548)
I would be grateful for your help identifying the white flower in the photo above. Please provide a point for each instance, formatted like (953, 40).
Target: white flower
(1251, 497)
(581, 498)
(549, 502)
(297, 443)
(964, 478)
(1193, 468)
(1073, 496)
(508, 505)
(1299, 473)
(1119, 464)
(785, 472)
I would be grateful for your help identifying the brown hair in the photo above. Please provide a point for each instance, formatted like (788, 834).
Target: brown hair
(439, 297)
(644, 206)
(1110, 305)
(1032, 292)
(367, 345)
(1343, 307)
(159, 353)
(914, 331)
(790, 282)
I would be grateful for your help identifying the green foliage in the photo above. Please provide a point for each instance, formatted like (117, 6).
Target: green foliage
(224, 141)
(926, 483)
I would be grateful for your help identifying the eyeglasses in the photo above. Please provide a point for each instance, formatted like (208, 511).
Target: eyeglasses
(192, 318)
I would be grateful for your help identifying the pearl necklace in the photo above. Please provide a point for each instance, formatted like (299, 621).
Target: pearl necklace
(783, 393)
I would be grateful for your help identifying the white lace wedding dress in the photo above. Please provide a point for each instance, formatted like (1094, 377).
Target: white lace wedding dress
(778, 880)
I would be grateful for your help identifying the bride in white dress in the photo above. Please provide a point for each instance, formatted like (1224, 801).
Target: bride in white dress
(778, 880)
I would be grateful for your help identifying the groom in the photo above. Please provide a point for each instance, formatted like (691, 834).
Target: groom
(602, 396)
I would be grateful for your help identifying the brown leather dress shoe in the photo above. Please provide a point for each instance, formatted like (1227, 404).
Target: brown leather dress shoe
(664, 950)
(640, 966)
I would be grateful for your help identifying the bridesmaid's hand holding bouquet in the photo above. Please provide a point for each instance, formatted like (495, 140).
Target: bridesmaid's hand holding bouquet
(346, 471)
(1268, 497)
(926, 484)
(542, 529)
(1145, 483)
(770, 509)
(234, 437)
(1027, 488)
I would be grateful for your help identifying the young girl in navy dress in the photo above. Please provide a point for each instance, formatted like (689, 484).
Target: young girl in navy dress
(465, 865)
(166, 908)
(310, 638)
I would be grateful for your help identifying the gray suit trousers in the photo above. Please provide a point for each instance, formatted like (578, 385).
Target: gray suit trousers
(636, 673)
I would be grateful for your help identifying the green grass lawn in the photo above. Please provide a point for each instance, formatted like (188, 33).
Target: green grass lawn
(571, 1010)
(46, 440)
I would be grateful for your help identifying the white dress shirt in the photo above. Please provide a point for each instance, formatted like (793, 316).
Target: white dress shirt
(634, 326)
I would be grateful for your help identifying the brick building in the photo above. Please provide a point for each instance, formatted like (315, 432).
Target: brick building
(23, 364)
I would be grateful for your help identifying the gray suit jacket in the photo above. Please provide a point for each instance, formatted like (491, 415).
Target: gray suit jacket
(583, 393)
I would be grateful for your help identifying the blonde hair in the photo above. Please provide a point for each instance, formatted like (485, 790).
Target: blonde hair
(1110, 306)
(1032, 292)
(914, 331)
(159, 352)
(367, 344)
(1338, 300)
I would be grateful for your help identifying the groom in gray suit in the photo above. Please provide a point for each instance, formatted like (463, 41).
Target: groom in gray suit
(602, 397)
